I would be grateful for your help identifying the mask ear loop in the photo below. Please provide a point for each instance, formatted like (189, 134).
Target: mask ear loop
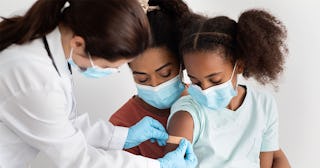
(92, 65)
(234, 70)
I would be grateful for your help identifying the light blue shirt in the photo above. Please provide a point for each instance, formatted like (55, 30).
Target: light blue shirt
(233, 139)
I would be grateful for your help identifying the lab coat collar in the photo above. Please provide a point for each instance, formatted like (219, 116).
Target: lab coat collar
(55, 45)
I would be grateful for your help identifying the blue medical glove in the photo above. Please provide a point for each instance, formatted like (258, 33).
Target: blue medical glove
(145, 129)
(182, 157)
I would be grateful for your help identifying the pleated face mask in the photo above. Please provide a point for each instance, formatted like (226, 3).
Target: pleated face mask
(93, 71)
(215, 97)
(163, 95)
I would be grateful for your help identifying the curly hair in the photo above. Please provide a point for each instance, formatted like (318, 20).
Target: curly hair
(257, 40)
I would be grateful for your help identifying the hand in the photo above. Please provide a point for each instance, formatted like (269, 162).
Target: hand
(182, 157)
(145, 129)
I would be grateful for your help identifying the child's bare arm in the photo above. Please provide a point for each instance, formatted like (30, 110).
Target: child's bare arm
(280, 160)
(180, 125)
(274, 159)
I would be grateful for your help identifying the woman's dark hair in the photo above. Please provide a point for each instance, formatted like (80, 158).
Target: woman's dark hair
(165, 23)
(257, 40)
(112, 29)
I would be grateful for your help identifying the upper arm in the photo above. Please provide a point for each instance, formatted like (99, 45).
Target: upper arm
(266, 159)
(181, 124)
(274, 159)
(280, 160)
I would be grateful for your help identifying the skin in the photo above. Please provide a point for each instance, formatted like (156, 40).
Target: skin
(207, 69)
(154, 66)
(81, 58)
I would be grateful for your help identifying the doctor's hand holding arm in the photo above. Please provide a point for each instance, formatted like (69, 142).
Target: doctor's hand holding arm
(148, 128)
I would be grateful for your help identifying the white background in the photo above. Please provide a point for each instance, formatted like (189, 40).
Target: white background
(298, 95)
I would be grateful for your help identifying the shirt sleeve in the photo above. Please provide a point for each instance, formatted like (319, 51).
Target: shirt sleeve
(39, 117)
(187, 104)
(270, 138)
(102, 134)
(115, 119)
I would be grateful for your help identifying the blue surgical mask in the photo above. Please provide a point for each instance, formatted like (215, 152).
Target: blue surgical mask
(163, 95)
(93, 71)
(215, 97)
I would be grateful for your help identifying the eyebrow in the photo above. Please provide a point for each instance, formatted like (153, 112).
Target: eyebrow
(139, 73)
(208, 76)
(143, 73)
(163, 66)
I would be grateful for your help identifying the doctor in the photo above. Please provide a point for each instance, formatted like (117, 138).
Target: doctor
(37, 108)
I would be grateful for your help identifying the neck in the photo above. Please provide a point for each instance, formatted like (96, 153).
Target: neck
(237, 101)
(66, 36)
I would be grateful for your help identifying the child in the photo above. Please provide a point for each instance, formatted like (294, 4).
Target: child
(230, 125)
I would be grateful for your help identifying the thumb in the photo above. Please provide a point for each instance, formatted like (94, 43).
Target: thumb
(189, 153)
(159, 135)
(181, 150)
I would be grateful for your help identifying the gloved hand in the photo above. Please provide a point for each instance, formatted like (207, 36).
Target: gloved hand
(145, 129)
(182, 157)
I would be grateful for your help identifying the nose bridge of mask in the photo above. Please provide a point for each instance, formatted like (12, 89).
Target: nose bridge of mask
(111, 70)
(223, 85)
(160, 86)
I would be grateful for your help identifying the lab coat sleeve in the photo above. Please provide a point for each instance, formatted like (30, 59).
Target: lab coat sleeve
(102, 134)
(39, 116)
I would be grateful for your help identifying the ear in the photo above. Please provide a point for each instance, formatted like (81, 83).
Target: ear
(78, 44)
(240, 67)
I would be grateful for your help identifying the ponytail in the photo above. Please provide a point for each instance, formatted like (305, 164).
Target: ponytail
(111, 29)
(257, 40)
(261, 45)
(165, 19)
(40, 19)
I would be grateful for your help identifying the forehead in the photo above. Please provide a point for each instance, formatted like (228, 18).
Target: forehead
(202, 63)
(153, 58)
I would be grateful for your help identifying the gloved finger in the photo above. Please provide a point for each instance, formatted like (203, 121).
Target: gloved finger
(156, 124)
(159, 135)
(161, 142)
(190, 155)
(181, 149)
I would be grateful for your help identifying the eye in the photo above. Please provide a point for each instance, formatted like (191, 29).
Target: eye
(142, 80)
(165, 73)
(196, 82)
(215, 82)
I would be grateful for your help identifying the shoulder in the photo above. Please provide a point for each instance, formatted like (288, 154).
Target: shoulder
(261, 96)
(185, 103)
(264, 101)
(29, 59)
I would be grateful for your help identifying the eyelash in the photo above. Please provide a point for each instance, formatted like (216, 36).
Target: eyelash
(143, 81)
(165, 76)
(216, 82)
(213, 82)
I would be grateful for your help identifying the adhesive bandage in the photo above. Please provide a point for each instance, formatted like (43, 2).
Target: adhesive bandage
(174, 139)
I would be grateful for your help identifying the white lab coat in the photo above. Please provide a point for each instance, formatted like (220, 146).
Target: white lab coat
(37, 115)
